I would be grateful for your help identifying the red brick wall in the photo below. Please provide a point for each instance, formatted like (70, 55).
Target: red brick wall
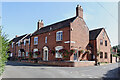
(79, 34)
(103, 48)
(51, 41)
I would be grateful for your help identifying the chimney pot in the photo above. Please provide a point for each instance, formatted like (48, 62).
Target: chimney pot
(40, 24)
(16, 36)
(79, 11)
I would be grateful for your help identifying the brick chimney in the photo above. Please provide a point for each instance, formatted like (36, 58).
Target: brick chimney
(16, 36)
(79, 11)
(40, 24)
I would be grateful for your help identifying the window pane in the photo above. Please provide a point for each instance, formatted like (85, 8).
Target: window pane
(105, 55)
(101, 42)
(105, 43)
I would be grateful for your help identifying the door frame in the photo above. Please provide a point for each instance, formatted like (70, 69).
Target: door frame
(45, 49)
(76, 54)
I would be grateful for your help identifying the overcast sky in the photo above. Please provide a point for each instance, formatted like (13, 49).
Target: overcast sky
(21, 18)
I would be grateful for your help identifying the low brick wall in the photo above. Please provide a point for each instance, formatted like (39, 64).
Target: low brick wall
(57, 63)
(84, 63)
(68, 63)
(28, 61)
(62, 63)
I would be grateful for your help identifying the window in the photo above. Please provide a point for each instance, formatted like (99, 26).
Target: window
(19, 53)
(35, 40)
(34, 55)
(12, 44)
(103, 35)
(101, 54)
(59, 35)
(57, 48)
(45, 39)
(24, 42)
(22, 54)
(58, 55)
(19, 43)
(105, 55)
(26, 53)
(101, 42)
(105, 42)
(29, 41)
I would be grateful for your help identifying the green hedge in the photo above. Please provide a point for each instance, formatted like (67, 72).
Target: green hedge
(4, 45)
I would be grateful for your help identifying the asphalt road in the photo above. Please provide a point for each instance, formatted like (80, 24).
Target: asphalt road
(23, 70)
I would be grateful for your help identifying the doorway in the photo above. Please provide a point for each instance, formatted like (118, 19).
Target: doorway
(76, 55)
(45, 53)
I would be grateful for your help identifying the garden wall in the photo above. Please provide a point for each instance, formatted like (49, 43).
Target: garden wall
(63, 63)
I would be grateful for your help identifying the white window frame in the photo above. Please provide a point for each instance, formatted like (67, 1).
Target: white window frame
(24, 42)
(34, 55)
(36, 43)
(46, 39)
(29, 41)
(26, 53)
(19, 43)
(103, 35)
(59, 36)
(57, 54)
(12, 44)
(19, 53)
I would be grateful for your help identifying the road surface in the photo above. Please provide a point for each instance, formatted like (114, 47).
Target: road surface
(23, 70)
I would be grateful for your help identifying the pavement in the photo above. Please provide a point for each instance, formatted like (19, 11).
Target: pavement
(28, 70)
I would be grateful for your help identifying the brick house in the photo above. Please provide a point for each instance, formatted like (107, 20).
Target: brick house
(100, 43)
(71, 34)
(67, 34)
(19, 46)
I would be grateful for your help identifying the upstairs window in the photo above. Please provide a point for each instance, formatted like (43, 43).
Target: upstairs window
(45, 39)
(26, 53)
(12, 44)
(105, 42)
(101, 42)
(103, 35)
(101, 54)
(105, 55)
(19, 43)
(59, 36)
(35, 40)
(24, 42)
(29, 41)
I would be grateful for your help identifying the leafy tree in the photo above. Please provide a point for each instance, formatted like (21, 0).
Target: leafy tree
(4, 45)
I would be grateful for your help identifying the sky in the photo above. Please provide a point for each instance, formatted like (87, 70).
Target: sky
(19, 18)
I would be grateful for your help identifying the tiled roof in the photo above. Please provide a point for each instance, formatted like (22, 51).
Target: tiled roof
(58, 25)
(94, 33)
(18, 38)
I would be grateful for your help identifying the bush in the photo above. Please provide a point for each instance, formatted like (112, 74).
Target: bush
(4, 45)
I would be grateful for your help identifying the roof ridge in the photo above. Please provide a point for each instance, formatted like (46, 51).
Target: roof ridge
(60, 21)
(96, 29)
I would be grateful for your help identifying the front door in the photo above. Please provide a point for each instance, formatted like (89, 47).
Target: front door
(76, 55)
(46, 55)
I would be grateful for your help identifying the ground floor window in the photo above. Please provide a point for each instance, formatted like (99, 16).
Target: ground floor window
(26, 53)
(105, 55)
(101, 54)
(19, 53)
(34, 55)
(57, 54)
(23, 54)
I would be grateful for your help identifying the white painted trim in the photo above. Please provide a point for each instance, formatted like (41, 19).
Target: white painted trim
(45, 49)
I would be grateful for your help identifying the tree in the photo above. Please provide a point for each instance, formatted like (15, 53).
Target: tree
(4, 45)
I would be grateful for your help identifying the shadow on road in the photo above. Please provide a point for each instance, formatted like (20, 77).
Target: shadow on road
(113, 74)
(15, 63)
